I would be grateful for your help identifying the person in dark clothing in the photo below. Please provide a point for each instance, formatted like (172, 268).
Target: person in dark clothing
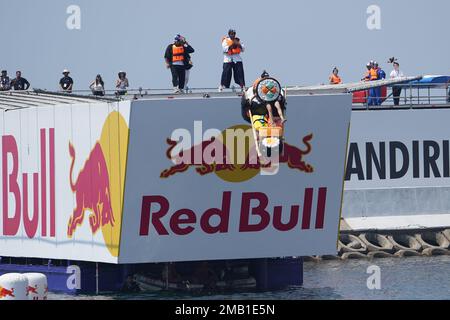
(5, 82)
(232, 61)
(20, 83)
(176, 55)
(66, 82)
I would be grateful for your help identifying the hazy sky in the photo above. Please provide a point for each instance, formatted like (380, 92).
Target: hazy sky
(297, 41)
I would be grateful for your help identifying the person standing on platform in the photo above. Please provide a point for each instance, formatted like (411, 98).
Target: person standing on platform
(232, 61)
(396, 90)
(175, 57)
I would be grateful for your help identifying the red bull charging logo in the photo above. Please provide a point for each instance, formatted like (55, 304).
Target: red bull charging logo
(6, 292)
(99, 185)
(232, 160)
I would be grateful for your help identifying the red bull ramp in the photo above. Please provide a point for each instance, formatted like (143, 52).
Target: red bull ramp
(164, 178)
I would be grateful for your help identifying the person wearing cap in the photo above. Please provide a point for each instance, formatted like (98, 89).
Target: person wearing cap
(5, 82)
(66, 82)
(176, 57)
(396, 74)
(334, 78)
(373, 92)
(232, 61)
(20, 83)
(98, 86)
(122, 83)
(367, 74)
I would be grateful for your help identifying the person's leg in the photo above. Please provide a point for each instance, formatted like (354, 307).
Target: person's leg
(181, 76)
(378, 97)
(173, 69)
(396, 94)
(186, 77)
(370, 98)
(269, 110)
(280, 111)
(238, 70)
(226, 75)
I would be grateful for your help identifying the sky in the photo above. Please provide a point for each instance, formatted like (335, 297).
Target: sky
(299, 42)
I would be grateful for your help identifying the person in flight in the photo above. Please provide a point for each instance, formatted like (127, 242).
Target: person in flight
(262, 112)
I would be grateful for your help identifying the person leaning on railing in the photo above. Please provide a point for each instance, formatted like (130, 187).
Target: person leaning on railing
(334, 78)
(396, 90)
(66, 82)
(122, 83)
(19, 83)
(98, 86)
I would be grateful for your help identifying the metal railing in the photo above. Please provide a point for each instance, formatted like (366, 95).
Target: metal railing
(412, 96)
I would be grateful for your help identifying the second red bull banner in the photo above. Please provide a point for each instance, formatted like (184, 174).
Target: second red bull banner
(159, 180)
(196, 189)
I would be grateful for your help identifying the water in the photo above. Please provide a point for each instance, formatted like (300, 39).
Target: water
(401, 278)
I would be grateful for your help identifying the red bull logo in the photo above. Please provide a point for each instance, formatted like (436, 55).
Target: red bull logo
(32, 290)
(91, 192)
(6, 292)
(206, 159)
(99, 185)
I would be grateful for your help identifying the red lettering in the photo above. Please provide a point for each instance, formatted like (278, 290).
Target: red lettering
(177, 220)
(52, 184)
(244, 225)
(145, 215)
(43, 186)
(307, 206)
(293, 220)
(223, 214)
(10, 225)
(30, 224)
(320, 213)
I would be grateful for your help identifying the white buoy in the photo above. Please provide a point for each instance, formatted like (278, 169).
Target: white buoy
(37, 286)
(13, 286)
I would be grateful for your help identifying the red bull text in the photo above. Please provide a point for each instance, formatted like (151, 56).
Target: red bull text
(185, 221)
(10, 181)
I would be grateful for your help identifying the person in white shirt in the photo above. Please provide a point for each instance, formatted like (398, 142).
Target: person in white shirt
(98, 86)
(396, 90)
(232, 61)
(122, 83)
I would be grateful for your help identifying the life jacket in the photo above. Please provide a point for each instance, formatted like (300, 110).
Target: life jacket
(334, 79)
(229, 43)
(373, 74)
(177, 53)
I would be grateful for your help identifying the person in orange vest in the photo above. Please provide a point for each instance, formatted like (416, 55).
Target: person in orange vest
(334, 78)
(367, 74)
(176, 56)
(374, 92)
(232, 61)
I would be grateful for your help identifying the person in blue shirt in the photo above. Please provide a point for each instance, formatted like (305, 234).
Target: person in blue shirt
(381, 76)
